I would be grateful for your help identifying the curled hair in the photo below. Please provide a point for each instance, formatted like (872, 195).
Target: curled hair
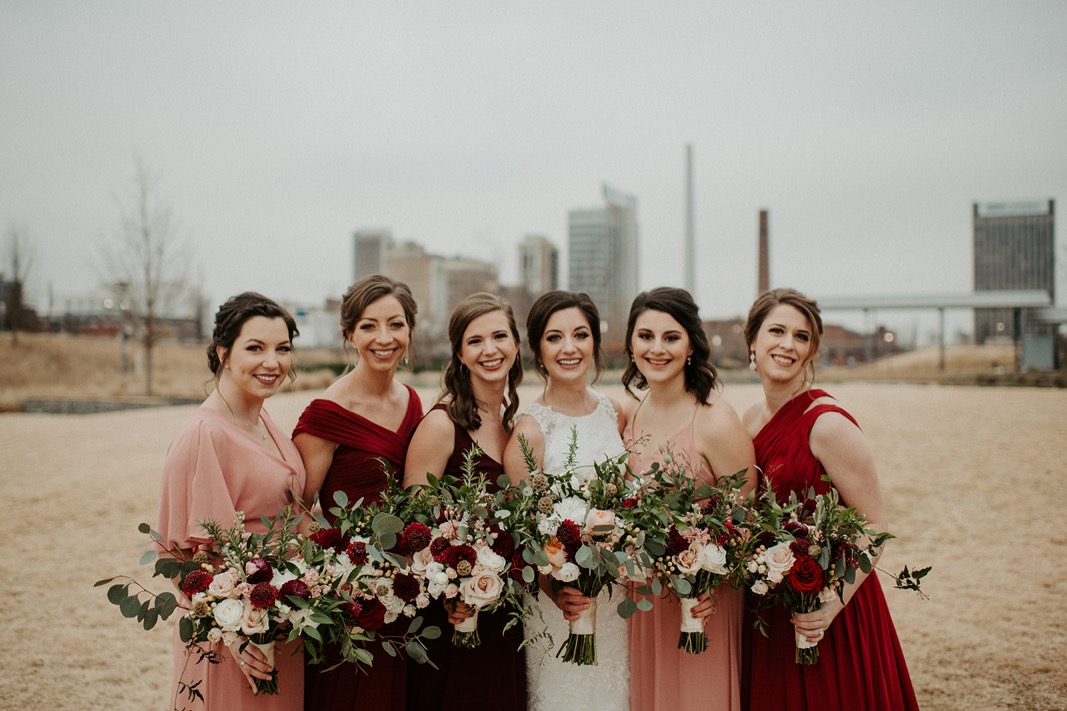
(463, 407)
(231, 318)
(368, 290)
(700, 375)
(767, 301)
(549, 303)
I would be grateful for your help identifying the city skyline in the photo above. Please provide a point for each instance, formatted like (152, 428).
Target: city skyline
(867, 134)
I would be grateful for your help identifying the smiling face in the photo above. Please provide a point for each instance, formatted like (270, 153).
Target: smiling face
(783, 344)
(260, 358)
(488, 348)
(567, 347)
(381, 335)
(659, 346)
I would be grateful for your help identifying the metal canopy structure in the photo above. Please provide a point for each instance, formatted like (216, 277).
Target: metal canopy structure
(1017, 300)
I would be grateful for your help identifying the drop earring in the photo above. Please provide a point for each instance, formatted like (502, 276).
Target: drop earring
(752, 361)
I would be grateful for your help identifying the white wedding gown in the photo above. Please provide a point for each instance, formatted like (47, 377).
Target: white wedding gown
(553, 684)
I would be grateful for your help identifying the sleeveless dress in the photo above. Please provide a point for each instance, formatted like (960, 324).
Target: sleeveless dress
(554, 684)
(861, 665)
(493, 674)
(357, 471)
(663, 677)
(212, 470)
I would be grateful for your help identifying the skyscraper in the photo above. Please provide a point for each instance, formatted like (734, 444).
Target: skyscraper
(602, 256)
(370, 252)
(538, 265)
(1014, 248)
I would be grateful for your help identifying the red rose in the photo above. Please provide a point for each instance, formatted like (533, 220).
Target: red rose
(503, 545)
(806, 575)
(629, 503)
(675, 543)
(371, 616)
(263, 595)
(439, 548)
(327, 538)
(517, 566)
(196, 582)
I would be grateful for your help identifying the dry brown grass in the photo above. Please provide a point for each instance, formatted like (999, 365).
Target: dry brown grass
(973, 480)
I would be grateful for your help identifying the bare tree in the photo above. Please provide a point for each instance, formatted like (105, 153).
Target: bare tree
(147, 261)
(18, 258)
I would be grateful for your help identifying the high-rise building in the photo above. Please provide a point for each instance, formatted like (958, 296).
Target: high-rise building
(370, 252)
(1014, 248)
(538, 265)
(602, 259)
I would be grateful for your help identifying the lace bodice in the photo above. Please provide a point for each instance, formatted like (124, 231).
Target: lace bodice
(595, 436)
(552, 684)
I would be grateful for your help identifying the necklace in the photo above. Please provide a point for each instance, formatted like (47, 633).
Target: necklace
(253, 428)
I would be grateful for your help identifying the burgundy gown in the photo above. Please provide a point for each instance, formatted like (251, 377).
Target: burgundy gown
(861, 665)
(357, 471)
(493, 674)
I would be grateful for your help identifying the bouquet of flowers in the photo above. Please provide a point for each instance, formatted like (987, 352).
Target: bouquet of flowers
(373, 582)
(240, 592)
(707, 541)
(808, 550)
(470, 552)
(584, 541)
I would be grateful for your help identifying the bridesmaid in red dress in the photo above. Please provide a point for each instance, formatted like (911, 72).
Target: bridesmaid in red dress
(477, 406)
(800, 435)
(681, 411)
(365, 416)
(230, 457)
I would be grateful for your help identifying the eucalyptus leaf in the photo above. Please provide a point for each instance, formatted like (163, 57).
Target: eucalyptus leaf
(416, 652)
(644, 605)
(117, 593)
(431, 632)
(130, 606)
(147, 557)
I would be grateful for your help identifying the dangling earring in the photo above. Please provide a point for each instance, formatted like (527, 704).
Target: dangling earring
(689, 360)
(752, 361)
(404, 360)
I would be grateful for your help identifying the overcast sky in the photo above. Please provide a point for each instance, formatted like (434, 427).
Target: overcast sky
(278, 128)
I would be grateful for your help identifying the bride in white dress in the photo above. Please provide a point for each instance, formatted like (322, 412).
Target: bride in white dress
(564, 335)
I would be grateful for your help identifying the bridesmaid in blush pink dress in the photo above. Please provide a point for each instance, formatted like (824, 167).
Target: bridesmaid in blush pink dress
(231, 457)
(680, 412)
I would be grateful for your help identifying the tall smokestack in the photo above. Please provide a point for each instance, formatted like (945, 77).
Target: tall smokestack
(690, 240)
(764, 257)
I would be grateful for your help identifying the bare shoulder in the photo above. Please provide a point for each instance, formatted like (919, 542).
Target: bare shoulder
(717, 420)
(526, 426)
(436, 423)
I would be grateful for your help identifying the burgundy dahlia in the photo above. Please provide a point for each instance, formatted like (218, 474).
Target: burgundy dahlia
(351, 608)
(259, 570)
(415, 537)
(357, 552)
(455, 554)
(796, 528)
(570, 536)
(800, 546)
(503, 544)
(439, 548)
(263, 595)
(196, 582)
(295, 588)
(675, 543)
(327, 538)
(406, 587)
(629, 503)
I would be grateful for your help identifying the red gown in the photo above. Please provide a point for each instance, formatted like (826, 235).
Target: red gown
(357, 471)
(861, 665)
(493, 674)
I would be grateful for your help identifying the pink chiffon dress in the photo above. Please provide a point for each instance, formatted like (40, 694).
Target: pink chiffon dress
(663, 677)
(212, 470)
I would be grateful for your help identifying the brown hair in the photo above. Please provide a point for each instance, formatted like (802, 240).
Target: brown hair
(700, 375)
(231, 318)
(463, 408)
(368, 290)
(549, 303)
(767, 301)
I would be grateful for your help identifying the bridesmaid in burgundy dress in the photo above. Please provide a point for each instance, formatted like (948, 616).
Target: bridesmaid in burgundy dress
(477, 406)
(365, 416)
(800, 434)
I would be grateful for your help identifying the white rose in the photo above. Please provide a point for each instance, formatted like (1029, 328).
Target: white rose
(214, 635)
(489, 560)
(393, 603)
(254, 621)
(482, 589)
(223, 584)
(572, 507)
(228, 614)
(827, 595)
(421, 561)
(714, 559)
(451, 590)
(760, 588)
(779, 560)
(567, 573)
(422, 601)
(689, 560)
